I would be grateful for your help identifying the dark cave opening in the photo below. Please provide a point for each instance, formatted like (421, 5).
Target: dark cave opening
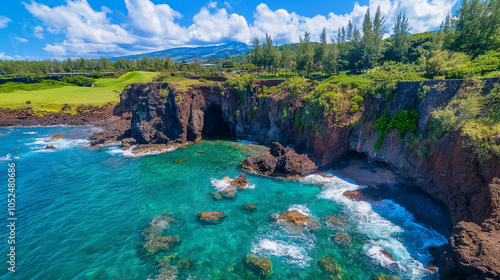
(214, 123)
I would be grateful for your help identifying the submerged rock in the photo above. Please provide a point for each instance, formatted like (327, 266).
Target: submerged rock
(342, 239)
(331, 268)
(157, 226)
(296, 218)
(50, 147)
(432, 269)
(161, 243)
(229, 194)
(249, 207)
(211, 217)
(215, 195)
(56, 137)
(260, 266)
(338, 221)
(386, 277)
(240, 182)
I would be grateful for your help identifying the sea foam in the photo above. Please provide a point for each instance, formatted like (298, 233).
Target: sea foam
(386, 224)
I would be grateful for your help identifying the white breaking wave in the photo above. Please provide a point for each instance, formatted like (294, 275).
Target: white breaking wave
(292, 244)
(129, 152)
(5, 158)
(381, 232)
(221, 185)
(30, 132)
(60, 144)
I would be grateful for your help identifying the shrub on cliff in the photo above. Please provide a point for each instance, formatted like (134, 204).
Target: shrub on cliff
(240, 83)
(404, 121)
(475, 116)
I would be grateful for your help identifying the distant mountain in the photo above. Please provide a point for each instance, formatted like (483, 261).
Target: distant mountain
(203, 53)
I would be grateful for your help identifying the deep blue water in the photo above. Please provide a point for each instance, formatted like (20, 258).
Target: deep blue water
(81, 213)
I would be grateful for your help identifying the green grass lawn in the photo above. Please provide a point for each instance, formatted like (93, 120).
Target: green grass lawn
(105, 91)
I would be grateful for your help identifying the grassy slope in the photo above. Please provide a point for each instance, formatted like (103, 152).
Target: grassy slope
(106, 90)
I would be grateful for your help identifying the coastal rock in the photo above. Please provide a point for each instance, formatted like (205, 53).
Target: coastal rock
(292, 163)
(262, 267)
(50, 147)
(161, 243)
(477, 250)
(281, 161)
(240, 182)
(388, 254)
(263, 164)
(215, 196)
(211, 218)
(127, 142)
(358, 195)
(56, 137)
(277, 150)
(226, 180)
(331, 268)
(296, 218)
(229, 194)
(249, 207)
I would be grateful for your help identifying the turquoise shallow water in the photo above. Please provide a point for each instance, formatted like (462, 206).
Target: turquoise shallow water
(81, 213)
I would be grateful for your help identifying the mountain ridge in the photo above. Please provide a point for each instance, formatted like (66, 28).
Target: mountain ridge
(202, 52)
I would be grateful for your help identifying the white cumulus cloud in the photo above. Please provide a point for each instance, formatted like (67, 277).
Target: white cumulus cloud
(150, 27)
(219, 26)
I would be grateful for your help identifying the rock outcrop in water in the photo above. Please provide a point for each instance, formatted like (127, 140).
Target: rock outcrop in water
(260, 266)
(280, 161)
(296, 218)
(162, 114)
(211, 218)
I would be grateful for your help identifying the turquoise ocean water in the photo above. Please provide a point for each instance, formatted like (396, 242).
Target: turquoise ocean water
(81, 213)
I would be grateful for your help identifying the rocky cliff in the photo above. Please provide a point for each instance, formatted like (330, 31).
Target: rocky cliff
(162, 113)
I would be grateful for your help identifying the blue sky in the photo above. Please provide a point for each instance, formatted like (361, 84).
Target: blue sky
(36, 29)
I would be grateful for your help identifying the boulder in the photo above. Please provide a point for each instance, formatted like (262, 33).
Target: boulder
(225, 180)
(292, 163)
(296, 218)
(262, 267)
(388, 254)
(264, 164)
(56, 137)
(50, 147)
(281, 161)
(211, 217)
(277, 150)
(161, 243)
(358, 195)
(240, 182)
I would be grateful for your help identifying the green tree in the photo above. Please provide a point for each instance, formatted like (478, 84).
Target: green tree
(400, 31)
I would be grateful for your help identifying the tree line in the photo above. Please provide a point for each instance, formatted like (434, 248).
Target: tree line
(474, 30)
